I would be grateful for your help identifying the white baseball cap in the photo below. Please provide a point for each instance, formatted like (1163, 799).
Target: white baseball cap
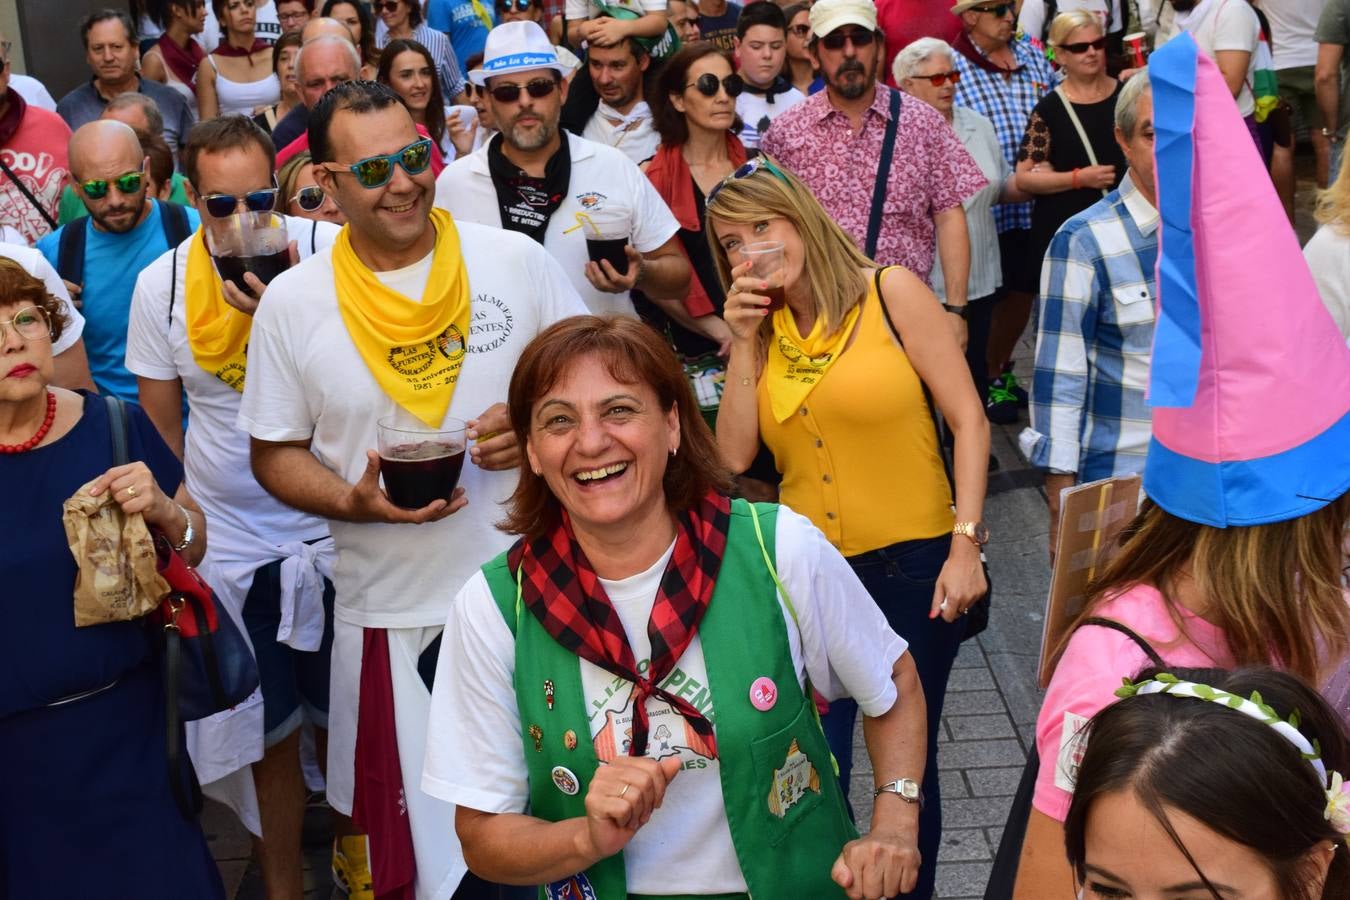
(827, 15)
(516, 47)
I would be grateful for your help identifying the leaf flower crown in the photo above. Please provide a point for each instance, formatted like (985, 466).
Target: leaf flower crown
(1336, 788)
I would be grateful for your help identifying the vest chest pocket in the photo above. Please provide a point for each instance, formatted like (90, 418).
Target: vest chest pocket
(790, 768)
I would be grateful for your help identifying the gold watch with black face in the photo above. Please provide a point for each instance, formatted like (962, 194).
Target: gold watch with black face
(975, 531)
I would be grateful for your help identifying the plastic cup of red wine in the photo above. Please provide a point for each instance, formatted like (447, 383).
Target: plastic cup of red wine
(420, 465)
(254, 242)
(608, 248)
(768, 265)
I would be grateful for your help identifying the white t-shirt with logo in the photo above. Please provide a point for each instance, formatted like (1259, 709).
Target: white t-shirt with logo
(475, 757)
(216, 449)
(756, 113)
(604, 185)
(307, 381)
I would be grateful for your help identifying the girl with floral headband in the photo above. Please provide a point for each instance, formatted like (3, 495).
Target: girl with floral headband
(1211, 784)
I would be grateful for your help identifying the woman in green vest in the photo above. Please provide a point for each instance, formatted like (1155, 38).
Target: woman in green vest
(622, 706)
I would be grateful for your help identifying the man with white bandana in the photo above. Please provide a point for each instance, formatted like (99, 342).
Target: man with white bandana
(410, 316)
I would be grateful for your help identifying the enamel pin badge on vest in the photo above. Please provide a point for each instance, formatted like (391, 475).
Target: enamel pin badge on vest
(565, 780)
(792, 781)
(578, 887)
(548, 692)
(763, 693)
(570, 739)
(537, 734)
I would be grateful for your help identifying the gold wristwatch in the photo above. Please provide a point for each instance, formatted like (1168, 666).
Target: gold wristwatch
(975, 531)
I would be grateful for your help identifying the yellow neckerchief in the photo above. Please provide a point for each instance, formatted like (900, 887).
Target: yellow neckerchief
(796, 364)
(414, 348)
(217, 332)
(483, 15)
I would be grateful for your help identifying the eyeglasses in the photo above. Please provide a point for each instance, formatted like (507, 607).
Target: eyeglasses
(997, 12)
(289, 17)
(376, 171)
(800, 31)
(220, 206)
(745, 171)
(937, 78)
(126, 183)
(860, 37)
(310, 198)
(505, 6)
(30, 323)
(707, 84)
(509, 93)
(389, 5)
(1080, 47)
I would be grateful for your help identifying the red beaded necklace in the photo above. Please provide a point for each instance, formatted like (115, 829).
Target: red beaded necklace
(41, 432)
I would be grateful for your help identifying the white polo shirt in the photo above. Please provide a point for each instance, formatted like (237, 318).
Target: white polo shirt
(603, 181)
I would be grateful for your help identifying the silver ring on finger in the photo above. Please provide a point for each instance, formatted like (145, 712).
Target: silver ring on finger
(626, 786)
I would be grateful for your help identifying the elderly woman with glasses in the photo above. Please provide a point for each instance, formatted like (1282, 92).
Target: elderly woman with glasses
(1069, 158)
(624, 700)
(82, 732)
(926, 69)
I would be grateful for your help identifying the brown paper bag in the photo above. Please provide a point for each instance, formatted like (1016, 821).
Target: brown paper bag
(117, 579)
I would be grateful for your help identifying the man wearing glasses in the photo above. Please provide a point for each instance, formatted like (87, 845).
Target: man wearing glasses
(414, 318)
(834, 142)
(293, 15)
(1002, 79)
(125, 231)
(563, 191)
(181, 311)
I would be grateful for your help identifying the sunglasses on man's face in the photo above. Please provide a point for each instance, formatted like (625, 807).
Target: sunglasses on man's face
(859, 37)
(506, 6)
(937, 79)
(1080, 47)
(707, 84)
(126, 183)
(309, 198)
(376, 171)
(997, 12)
(539, 88)
(219, 206)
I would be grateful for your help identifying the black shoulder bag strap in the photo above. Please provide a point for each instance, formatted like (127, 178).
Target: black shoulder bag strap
(173, 282)
(1003, 876)
(70, 251)
(42, 210)
(173, 219)
(883, 177)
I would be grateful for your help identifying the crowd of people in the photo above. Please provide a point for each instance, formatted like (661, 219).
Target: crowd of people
(624, 252)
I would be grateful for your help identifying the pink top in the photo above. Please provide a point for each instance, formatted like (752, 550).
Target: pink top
(1091, 669)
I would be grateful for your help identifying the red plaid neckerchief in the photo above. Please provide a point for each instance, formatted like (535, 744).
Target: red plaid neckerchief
(562, 590)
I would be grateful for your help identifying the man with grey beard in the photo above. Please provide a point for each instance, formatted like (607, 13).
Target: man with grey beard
(559, 189)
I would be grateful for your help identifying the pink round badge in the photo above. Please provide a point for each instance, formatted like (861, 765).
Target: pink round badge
(763, 694)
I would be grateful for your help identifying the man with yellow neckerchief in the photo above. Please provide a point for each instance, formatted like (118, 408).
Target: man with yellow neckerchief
(415, 315)
(186, 338)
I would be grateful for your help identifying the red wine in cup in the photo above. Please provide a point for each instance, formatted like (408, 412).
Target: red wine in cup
(265, 267)
(777, 297)
(416, 474)
(611, 250)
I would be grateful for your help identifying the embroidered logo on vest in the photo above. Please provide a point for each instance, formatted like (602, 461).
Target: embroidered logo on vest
(792, 781)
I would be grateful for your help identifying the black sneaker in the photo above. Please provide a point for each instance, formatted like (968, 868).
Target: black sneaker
(1000, 406)
(1011, 384)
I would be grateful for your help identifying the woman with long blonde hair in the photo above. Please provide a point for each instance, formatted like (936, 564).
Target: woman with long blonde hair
(1328, 253)
(837, 382)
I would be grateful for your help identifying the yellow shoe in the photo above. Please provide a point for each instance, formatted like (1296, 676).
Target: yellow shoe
(351, 867)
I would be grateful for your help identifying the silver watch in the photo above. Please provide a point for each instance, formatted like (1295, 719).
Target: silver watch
(907, 788)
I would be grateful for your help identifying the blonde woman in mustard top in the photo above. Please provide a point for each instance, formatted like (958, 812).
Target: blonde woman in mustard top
(841, 404)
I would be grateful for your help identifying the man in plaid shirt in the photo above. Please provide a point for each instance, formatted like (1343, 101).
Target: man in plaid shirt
(1003, 78)
(1094, 338)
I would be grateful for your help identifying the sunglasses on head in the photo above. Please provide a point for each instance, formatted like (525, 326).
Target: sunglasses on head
(376, 171)
(997, 12)
(707, 84)
(219, 206)
(126, 183)
(800, 31)
(1080, 47)
(860, 37)
(745, 171)
(938, 78)
(309, 198)
(505, 6)
(510, 93)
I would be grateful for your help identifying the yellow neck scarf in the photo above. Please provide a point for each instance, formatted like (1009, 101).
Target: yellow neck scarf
(483, 15)
(414, 348)
(796, 364)
(216, 331)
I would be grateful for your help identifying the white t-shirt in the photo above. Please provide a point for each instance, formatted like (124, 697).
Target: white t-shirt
(33, 92)
(588, 9)
(475, 757)
(216, 450)
(632, 133)
(1328, 256)
(1293, 26)
(1032, 19)
(756, 113)
(604, 184)
(266, 25)
(35, 264)
(1220, 25)
(307, 381)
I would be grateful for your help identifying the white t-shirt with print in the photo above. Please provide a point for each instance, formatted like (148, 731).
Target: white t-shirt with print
(475, 757)
(216, 449)
(756, 113)
(604, 184)
(1220, 25)
(307, 381)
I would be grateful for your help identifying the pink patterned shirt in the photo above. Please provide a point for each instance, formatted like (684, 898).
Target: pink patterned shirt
(930, 171)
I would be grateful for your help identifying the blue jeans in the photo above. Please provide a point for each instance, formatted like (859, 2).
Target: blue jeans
(901, 579)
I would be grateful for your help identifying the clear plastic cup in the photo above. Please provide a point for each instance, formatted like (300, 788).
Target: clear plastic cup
(420, 465)
(254, 242)
(768, 265)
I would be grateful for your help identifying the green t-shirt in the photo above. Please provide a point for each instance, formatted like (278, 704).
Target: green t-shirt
(72, 207)
(1334, 28)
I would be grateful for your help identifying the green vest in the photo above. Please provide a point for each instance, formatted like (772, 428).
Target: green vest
(787, 814)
